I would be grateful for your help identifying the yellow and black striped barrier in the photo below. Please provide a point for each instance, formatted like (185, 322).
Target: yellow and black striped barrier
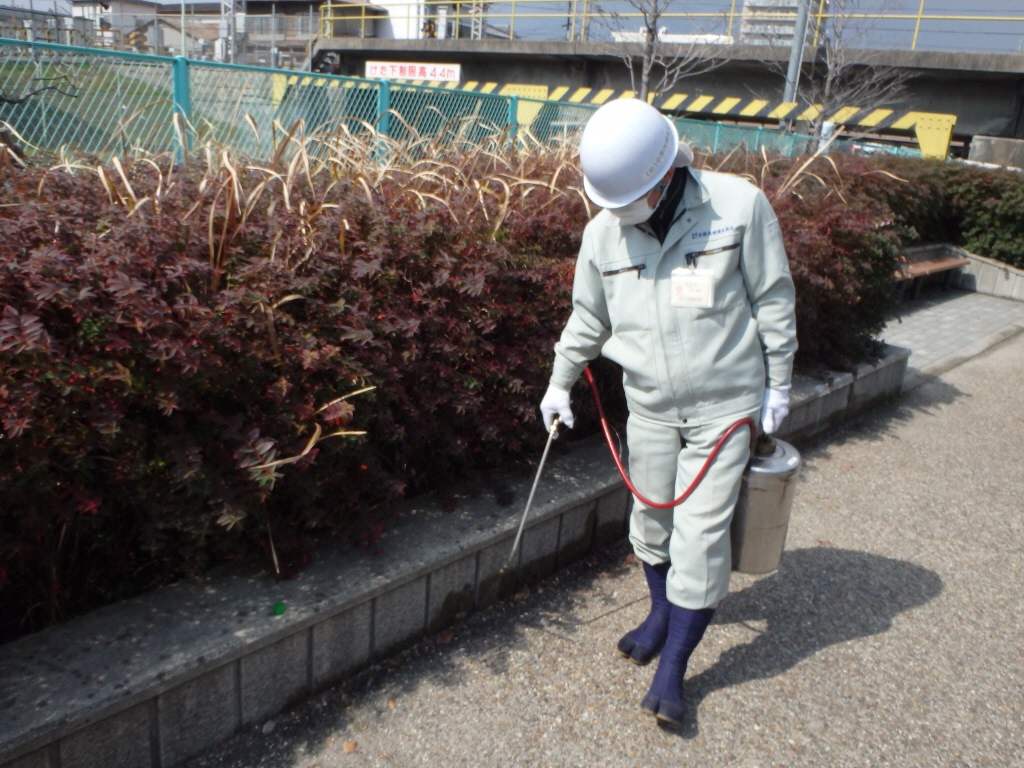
(934, 131)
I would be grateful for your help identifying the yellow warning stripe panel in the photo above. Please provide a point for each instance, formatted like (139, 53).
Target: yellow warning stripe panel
(811, 113)
(843, 115)
(906, 122)
(673, 101)
(537, 92)
(278, 86)
(782, 110)
(698, 104)
(934, 132)
(753, 108)
(579, 95)
(602, 96)
(724, 107)
(875, 117)
(558, 93)
(912, 118)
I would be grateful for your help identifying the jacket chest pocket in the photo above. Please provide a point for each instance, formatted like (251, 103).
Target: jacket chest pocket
(624, 267)
(626, 285)
(721, 257)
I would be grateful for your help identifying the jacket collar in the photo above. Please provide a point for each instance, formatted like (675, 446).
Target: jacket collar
(694, 196)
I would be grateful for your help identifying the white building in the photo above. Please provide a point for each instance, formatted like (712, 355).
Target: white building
(44, 21)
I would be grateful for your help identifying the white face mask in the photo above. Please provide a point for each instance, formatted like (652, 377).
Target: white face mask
(638, 211)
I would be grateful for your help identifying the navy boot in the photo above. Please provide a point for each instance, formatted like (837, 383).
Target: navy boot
(642, 644)
(685, 629)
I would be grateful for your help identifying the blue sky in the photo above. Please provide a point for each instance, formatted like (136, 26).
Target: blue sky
(997, 36)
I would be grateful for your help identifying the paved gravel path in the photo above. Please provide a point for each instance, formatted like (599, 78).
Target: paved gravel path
(893, 634)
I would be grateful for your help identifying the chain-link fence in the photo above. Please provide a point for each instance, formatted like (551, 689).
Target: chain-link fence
(98, 103)
(57, 98)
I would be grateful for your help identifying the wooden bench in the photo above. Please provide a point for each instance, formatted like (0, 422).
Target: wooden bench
(915, 269)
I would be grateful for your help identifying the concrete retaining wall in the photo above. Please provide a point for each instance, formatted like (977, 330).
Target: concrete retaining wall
(154, 681)
(982, 275)
(1008, 153)
(991, 277)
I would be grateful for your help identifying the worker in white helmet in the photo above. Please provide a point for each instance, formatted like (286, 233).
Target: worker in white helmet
(683, 280)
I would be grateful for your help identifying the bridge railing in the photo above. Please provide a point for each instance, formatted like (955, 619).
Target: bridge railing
(889, 25)
(102, 104)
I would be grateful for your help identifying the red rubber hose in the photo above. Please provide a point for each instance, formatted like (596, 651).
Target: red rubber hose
(748, 422)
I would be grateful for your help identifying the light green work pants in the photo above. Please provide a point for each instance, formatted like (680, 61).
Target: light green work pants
(694, 536)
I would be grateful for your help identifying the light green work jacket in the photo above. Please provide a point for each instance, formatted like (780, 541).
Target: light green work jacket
(684, 365)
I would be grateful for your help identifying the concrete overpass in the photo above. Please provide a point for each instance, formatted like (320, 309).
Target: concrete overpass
(984, 91)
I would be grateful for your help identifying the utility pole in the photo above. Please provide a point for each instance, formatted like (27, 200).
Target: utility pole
(796, 51)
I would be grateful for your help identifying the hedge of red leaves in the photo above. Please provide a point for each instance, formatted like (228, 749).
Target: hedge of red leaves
(150, 377)
(182, 364)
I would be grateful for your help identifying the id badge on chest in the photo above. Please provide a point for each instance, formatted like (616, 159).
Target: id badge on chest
(694, 288)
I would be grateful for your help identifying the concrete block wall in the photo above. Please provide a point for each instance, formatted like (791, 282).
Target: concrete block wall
(991, 277)
(818, 405)
(154, 681)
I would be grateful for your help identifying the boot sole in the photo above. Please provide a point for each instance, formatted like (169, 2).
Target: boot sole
(637, 662)
(661, 717)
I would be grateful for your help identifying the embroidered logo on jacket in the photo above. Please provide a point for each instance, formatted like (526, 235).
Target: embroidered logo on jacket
(712, 232)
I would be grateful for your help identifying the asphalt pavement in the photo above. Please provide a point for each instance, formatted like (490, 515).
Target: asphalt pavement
(891, 635)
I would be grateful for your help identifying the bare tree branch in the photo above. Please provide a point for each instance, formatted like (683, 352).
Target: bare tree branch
(8, 141)
(832, 79)
(4, 99)
(655, 65)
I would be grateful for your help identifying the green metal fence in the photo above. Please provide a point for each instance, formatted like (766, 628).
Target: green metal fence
(102, 103)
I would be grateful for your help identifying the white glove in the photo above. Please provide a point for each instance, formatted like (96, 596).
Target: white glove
(774, 408)
(556, 403)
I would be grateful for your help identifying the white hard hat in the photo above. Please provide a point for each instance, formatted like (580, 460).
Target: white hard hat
(627, 148)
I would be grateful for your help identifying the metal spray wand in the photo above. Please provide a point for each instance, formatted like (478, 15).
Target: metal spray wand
(552, 431)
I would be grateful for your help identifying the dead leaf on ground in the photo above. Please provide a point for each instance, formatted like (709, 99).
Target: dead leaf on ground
(349, 746)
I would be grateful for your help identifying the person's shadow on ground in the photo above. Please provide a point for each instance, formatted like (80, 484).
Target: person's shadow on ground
(817, 598)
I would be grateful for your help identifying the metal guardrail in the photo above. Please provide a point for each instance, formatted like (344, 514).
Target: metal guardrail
(103, 104)
(280, 40)
(902, 25)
